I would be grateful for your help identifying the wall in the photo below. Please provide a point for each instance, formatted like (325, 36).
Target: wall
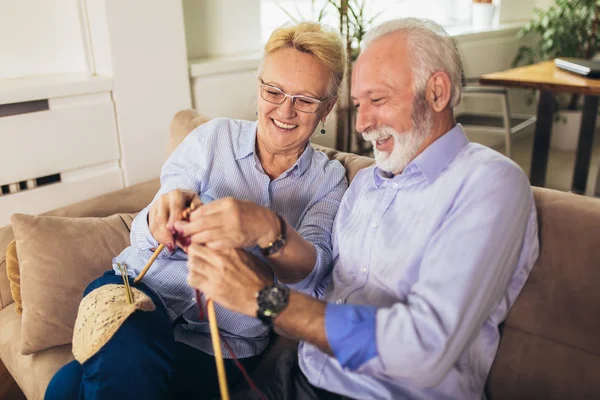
(227, 87)
(216, 28)
(140, 44)
(149, 63)
(40, 38)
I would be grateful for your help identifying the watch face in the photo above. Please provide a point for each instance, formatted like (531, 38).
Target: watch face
(272, 300)
(276, 296)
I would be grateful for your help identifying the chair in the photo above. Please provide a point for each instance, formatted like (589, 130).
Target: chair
(505, 123)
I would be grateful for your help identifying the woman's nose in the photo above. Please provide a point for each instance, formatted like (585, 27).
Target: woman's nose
(286, 109)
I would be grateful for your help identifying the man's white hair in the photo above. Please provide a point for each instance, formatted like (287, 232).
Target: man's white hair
(431, 50)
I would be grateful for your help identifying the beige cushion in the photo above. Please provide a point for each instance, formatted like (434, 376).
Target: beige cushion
(58, 257)
(12, 270)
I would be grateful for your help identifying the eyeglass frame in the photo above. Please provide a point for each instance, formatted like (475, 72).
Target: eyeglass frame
(291, 96)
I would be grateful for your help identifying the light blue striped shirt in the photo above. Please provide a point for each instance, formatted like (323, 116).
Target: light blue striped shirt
(427, 265)
(218, 160)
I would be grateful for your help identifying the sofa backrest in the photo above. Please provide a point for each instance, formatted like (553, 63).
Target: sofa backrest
(550, 346)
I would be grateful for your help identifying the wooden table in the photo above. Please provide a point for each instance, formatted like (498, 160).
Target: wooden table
(548, 79)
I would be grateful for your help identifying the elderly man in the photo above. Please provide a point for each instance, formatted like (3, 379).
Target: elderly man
(431, 246)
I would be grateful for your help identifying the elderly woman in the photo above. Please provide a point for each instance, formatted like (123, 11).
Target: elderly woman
(258, 185)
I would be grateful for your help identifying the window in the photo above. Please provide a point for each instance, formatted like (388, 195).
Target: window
(274, 13)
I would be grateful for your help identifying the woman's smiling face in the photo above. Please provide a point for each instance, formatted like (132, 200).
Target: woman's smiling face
(283, 128)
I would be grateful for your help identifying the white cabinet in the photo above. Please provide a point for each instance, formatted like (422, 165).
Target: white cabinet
(58, 142)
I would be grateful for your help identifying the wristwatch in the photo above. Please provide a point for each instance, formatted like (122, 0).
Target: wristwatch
(271, 300)
(276, 245)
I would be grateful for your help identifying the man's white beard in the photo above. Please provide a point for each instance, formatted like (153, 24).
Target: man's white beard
(406, 146)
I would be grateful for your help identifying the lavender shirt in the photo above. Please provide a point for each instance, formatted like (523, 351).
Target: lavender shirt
(427, 265)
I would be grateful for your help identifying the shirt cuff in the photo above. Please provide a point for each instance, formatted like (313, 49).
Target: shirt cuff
(307, 284)
(141, 237)
(351, 333)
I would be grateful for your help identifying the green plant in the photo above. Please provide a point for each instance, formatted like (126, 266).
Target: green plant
(569, 28)
(353, 25)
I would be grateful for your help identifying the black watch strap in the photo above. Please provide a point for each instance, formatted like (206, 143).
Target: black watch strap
(278, 243)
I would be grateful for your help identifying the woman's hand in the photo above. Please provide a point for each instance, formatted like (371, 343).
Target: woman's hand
(230, 277)
(230, 223)
(166, 211)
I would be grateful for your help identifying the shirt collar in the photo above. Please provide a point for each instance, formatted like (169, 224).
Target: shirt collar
(434, 159)
(247, 146)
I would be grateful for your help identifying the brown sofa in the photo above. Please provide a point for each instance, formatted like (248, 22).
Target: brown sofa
(550, 347)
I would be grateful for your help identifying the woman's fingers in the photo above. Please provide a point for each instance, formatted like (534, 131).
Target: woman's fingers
(166, 211)
(157, 222)
(212, 222)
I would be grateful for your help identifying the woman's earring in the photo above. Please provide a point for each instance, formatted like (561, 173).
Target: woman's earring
(257, 113)
(323, 128)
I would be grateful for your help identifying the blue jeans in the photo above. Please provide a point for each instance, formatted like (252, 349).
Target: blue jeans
(142, 361)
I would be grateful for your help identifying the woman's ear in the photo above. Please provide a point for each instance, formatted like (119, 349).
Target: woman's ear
(330, 104)
(439, 91)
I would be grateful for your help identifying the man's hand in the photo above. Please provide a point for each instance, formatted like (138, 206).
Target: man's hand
(230, 223)
(230, 277)
(166, 211)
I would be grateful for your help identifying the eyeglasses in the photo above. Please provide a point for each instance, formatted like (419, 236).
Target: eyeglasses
(300, 103)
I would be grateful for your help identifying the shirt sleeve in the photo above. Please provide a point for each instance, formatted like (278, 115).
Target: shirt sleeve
(464, 275)
(351, 333)
(316, 227)
(182, 170)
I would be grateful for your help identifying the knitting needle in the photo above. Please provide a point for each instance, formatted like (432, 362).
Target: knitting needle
(127, 287)
(149, 263)
(123, 271)
(212, 317)
(184, 215)
(216, 341)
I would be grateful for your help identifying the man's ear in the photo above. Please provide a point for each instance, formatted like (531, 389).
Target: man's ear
(329, 107)
(439, 91)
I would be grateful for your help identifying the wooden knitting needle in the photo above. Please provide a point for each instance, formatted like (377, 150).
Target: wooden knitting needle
(212, 317)
(185, 214)
(216, 341)
(149, 263)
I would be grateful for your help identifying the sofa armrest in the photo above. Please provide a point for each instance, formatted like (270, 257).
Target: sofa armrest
(128, 200)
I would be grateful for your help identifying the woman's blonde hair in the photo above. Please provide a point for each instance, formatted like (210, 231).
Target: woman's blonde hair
(322, 42)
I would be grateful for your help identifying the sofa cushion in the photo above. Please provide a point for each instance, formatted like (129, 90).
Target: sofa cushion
(128, 200)
(12, 270)
(32, 372)
(58, 257)
(561, 300)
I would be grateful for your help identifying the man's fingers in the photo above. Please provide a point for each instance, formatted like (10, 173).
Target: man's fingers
(200, 253)
(196, 279)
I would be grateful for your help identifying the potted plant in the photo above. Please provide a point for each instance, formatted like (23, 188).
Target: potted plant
(353, 25)
(569, 28)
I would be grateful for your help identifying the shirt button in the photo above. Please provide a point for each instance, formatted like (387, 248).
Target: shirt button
(395, 185)
(374, 225)
(363, 270)
(338, 301)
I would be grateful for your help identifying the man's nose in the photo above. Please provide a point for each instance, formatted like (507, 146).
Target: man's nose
(364, 118)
